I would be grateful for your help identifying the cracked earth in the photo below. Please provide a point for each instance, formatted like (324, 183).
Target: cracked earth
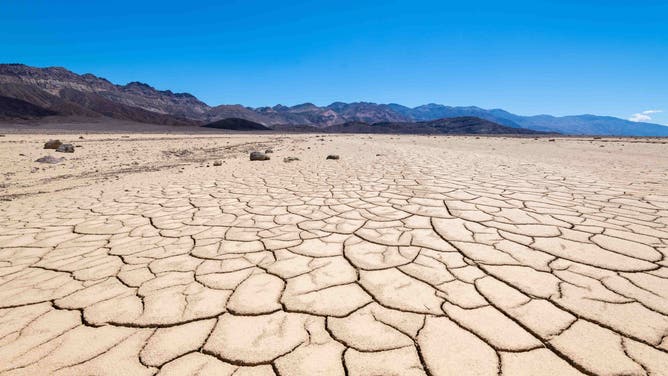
(408, 256)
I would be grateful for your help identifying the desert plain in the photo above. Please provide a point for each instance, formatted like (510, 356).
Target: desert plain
(409, 255)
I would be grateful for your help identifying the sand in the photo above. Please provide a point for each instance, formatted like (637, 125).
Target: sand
(410, 255)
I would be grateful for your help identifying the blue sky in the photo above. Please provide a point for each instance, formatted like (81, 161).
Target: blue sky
(528, 57)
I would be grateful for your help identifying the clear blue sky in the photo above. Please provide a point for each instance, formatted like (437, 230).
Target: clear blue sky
(529, 57)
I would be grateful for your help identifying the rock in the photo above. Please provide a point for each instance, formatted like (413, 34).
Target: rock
(65, 148)
(52, 144)
(268, 151)
(290, 159)
(50, 159)
(218, 163)
(551, 140)
(258, 156)
(81, 137)
(333, 156)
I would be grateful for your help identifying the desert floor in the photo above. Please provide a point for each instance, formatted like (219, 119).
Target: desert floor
(410, 255)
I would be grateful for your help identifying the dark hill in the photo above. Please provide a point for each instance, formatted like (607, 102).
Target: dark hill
(458, 125)
(236, 124)
(17, 108)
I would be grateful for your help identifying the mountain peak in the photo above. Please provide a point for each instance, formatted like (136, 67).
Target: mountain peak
(67, 93)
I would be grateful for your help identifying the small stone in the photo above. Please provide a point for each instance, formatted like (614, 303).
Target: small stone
(52, 144)
(268, 151)
(258, 156)
(81, 137)
(290, 159)
(333, 156)
(218, 163)
(50, 159)
(551, 140)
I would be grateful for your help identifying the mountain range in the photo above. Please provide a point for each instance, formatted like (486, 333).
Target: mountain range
(29, 92)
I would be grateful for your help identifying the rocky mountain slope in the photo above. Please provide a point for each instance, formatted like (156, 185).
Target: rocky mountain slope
(58, 91)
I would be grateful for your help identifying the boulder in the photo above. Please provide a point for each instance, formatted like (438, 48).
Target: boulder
(50, 159)
(258, 156)
(65, 148)
(52, 144)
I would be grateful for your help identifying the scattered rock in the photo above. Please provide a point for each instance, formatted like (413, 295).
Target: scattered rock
(65, 148)
(551, 140)
(218, 163)
(81, 137)
(52, 144)
(258, 156)
(50, 159)
(333, 156)
(290, 159)
(268, 151)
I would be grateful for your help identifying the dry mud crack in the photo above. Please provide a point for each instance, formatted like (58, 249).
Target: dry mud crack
(410, 263)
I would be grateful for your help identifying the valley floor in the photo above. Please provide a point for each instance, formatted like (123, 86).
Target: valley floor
(410, 255)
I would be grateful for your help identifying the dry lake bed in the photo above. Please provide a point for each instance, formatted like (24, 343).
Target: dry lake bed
(142, 254)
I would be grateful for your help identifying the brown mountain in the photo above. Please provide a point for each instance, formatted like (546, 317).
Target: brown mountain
(67, 93)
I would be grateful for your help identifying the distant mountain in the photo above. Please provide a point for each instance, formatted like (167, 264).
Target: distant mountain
(58, 92)
(580, 124)
(457, 125)
(236, 124)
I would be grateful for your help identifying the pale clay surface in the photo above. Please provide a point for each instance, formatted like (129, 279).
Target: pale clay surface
(440, 256)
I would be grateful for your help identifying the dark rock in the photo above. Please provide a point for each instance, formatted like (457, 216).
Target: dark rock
(52, 144)
(50, 159)
(290, 159)
(65, 148)
(258, 156)
(268, 151)
(333, 156)
(218, 163)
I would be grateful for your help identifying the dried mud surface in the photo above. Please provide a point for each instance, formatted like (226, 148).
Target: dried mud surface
(407, 256)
